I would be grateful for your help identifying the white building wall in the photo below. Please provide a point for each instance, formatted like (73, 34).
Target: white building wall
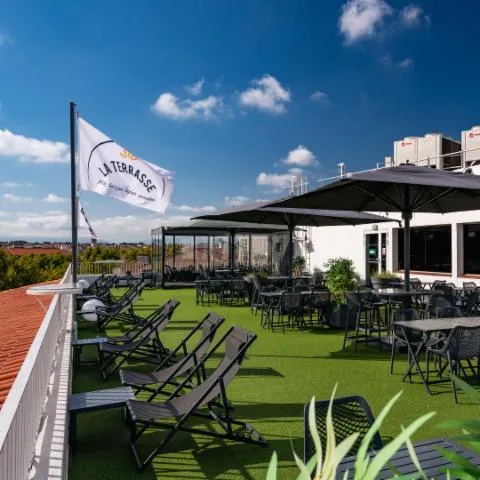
(349, 242)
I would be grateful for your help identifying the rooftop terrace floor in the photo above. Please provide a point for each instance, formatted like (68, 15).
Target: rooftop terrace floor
(281, 373)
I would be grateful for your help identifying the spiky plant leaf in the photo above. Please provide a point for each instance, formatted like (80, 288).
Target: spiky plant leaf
(272, 467)
(386, 453)
(304, 473)
(312, 426)
(469, 470)
(413, 456)
(361, 464)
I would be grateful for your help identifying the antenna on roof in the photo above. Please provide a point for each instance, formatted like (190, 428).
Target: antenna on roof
(341, 169)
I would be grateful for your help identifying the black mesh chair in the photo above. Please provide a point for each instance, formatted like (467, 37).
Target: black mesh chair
(470, 306)
(317, 302)
(350, 415)
(367, 319)
(435, 302)
(463, 344)
(402, 337)
(289, 311)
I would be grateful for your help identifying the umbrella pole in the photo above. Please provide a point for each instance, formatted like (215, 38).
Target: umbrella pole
(290, 250)
(407, 215)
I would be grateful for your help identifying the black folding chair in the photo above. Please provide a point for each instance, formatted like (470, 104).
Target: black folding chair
(210, 395)
(167, 372)
(350, 415)
(147, 345)
(122, 310)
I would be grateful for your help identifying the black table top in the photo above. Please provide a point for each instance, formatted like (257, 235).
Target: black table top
(431, 460)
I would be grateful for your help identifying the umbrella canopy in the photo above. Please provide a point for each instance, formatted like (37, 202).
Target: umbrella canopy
(219, 228)
(405, 189)
(294, 217)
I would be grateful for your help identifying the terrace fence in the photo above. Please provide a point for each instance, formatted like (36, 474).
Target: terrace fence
(24, 409)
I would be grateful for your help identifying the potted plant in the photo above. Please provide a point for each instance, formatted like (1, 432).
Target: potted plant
(341, 277)
(385, 280)
(298, 265)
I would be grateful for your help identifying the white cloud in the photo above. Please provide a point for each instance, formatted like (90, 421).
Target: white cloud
(195, 88)
(170, 106)
(52, 198)
(319, 96)
(362, 18)
(300, 156)
(261, 200)
(276, 181)
(14, 184)
(295, 171)
(411, 15)
(16, 198)
(236, 201)
(192, 209)
(4, 39)
(266, 94)
(56, 225)
(405, 63)
(31, 149)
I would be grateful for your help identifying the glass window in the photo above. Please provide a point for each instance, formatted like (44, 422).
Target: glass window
(471, 248)
(430, 249)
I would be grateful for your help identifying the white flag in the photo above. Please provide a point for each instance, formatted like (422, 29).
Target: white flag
(108, 169)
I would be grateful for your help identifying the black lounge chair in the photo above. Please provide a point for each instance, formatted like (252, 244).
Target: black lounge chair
(170, 369)
(210, 394)
(350, 415)
(122, 310)
(131, 334)
(147, 345)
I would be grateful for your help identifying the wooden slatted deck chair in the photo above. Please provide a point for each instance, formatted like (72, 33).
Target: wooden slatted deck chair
(122, 310)
(207, 401)
(130, 335)
(169, 370)
(147, 346)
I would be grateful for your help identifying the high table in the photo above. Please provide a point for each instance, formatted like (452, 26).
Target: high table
(431, 460)
(427, 327)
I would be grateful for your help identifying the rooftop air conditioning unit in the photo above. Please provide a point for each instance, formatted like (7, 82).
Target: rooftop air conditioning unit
(471, 145)
(432, 150)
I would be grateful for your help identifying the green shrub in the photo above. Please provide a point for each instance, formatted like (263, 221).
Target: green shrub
(341, 278)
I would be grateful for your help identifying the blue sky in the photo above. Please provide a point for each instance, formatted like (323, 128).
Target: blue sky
(221, 94)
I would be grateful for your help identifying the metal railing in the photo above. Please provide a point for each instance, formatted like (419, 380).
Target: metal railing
(21, 414)
(120, 268)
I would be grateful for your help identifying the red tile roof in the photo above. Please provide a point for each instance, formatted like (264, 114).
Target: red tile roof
(20, 318)
(37, 251)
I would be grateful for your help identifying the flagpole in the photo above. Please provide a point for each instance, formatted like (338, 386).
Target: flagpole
(73, 192)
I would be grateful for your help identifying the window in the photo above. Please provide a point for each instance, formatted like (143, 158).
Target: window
(471, 248)
(430, 249)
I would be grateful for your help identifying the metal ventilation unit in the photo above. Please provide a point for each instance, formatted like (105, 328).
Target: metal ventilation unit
(433, 150)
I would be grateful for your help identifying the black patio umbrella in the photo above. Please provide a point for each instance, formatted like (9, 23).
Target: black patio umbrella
(294, 217)
(405, 188)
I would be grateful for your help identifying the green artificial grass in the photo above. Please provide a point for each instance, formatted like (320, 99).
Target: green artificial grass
(280, 374)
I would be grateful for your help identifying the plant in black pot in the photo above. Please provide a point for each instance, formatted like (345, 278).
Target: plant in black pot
(341, 277)
(299, 263)
(385, 280)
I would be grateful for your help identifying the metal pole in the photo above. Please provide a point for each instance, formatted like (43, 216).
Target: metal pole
(208, 252)
(173, 254)
(73, 192)
(194, 253)
(290, 250)
(250, 252)
(232, 251)
(163, 257)
(407, 215)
